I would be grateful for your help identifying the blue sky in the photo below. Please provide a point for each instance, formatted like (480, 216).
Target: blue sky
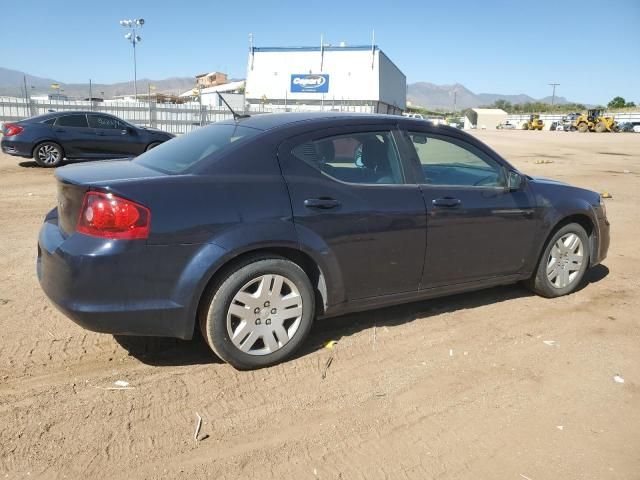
(592, 48)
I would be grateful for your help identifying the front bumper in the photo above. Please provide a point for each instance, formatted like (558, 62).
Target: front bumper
(603, 239)
(118, 286)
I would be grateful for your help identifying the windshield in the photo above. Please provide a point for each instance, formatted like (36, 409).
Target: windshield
(182, 153)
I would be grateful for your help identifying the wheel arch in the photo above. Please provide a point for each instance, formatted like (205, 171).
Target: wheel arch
(581, 218)
(37, 143)
(311, 268)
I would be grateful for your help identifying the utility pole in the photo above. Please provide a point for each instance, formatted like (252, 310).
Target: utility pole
(553, 95)
(455, 102)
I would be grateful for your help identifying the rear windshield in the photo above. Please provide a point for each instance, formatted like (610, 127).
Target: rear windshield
(181, 153)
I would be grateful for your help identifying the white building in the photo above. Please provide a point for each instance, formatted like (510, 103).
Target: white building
(484, 118)
(231, 91)
(357, 78)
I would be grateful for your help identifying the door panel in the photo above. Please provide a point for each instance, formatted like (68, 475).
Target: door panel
(371, 221)
(74, 134)
(476, 228)
(115, 138)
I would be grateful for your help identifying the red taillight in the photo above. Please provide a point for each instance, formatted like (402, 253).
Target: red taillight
(11, 129)
(105, 215)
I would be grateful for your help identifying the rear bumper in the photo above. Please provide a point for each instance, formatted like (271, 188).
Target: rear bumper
(118, 286)
(16, 148)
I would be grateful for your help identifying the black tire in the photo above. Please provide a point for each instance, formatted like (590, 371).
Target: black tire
(583, 127)
(601, 127)
(539, 281)
(213, 314)
(152, 145)
(48, 154)
(525, 126)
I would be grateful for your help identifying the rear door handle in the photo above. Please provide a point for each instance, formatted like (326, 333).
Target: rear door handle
(323, 203)
(446, 202)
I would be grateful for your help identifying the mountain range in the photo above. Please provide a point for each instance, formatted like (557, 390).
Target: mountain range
(423, 94)
(432, 97)
(12, 84)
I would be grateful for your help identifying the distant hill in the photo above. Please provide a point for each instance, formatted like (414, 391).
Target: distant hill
(11, 84)
(431, 96)
(424, 94)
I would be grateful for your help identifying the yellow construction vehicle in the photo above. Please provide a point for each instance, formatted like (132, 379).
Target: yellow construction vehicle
(593, 121)
(534, 123)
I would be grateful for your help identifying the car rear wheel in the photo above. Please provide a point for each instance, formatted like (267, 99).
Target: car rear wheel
(48, 154)
(152, 145)
(563, 263)
(259, 314)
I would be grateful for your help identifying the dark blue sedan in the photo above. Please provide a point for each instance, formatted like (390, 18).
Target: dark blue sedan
(51, 138)
(251, 229)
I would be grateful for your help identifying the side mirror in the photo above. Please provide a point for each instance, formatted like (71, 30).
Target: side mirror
(514, 181)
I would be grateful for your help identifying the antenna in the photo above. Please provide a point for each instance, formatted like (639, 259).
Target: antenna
(321, 50)
(373, 47)
(236, 116)
(251, 49)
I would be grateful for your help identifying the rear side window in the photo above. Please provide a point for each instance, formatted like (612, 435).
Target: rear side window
(182, 153)
(51, 121)
(72, 121)
(364, 157)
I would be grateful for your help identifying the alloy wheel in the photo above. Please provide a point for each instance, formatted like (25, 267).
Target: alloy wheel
(48, 154)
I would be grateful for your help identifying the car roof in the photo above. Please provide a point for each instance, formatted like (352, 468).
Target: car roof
(48, 115)
(269, 121)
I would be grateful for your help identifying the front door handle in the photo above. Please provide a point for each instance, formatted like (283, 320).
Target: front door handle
(323, 203)
(446, 202)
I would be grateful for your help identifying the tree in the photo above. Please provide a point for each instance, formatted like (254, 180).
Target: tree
(617, 102)
(630, 104)
(503, 105)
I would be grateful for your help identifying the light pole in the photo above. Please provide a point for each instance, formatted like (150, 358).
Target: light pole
(134, 38)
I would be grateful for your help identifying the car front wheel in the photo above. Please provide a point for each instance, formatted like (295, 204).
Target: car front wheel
(259, 314)
(563, 263)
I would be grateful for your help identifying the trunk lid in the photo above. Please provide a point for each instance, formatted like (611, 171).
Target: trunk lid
(75, 180)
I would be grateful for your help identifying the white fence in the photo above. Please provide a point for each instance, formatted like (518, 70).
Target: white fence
(169, 117)
(174, 118)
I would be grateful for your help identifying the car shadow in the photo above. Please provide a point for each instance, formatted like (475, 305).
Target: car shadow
(158, 351)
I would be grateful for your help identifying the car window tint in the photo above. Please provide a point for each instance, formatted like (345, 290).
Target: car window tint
(364, 157)
(72, 121)
(51, 121)
(446, 163)
(184, 152)
(102, 121)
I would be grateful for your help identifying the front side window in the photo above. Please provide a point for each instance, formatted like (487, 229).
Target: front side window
(444, 162)
(363, 157)
(102, 121)
(79, 121)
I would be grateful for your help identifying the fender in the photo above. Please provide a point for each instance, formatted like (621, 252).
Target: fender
(244, 238)
(562, 209)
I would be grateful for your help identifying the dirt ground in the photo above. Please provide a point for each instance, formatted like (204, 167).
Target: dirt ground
(463, 387)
